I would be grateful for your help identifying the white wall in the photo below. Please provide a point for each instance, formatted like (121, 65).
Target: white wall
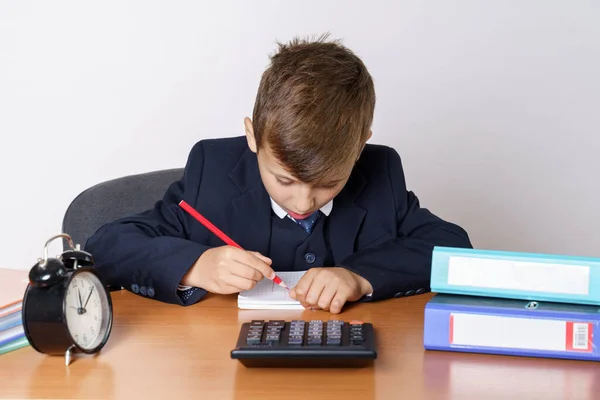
(493, 105)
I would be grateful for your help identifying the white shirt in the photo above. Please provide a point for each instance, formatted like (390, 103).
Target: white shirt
(280, 212)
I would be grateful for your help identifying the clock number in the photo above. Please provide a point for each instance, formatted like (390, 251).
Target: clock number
(95, 317)
(85, 339)
(92, 331)
(96, 303)
(74, 283)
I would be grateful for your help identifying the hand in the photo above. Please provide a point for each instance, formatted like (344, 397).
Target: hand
(330, 288)
(228, 269)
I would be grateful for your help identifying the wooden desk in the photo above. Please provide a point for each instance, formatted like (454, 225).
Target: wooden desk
(160, 351)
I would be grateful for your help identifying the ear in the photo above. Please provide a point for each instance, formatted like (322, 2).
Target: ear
(250, 134)
(369, 136)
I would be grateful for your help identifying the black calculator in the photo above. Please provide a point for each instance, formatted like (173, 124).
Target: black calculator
(301, 343)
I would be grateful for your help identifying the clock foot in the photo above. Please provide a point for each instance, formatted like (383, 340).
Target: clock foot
(69, 355)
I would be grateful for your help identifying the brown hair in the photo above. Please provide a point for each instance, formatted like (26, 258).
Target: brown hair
(314, 107)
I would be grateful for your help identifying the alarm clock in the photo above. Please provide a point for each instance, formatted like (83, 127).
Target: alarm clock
(67, 308)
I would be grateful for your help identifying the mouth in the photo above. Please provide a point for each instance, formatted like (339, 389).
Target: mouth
(298, 216)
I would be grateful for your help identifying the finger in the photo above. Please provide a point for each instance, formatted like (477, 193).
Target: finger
(338, 302)
(228, 289)
(267, 260)
(256, 263)
(239, 283)
(326, 297)
(244, 271)
(314, 293)
(299, 291)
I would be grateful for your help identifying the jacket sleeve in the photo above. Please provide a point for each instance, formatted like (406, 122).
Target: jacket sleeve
(149, 253)
(402, 266)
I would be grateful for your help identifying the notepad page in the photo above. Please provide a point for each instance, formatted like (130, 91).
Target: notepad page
(267, 294)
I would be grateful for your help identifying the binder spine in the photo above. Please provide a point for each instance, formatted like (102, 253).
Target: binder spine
(508, 332)
(524, 276)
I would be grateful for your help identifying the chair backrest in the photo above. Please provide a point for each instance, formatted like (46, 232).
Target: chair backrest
(114, 199)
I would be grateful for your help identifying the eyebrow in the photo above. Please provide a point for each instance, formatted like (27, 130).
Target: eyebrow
(287, 178)
(292, 179)
(331, 182)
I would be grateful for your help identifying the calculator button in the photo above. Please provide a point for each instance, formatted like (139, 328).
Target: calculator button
(334, 340)
(257, 323)
(295, 339)
(271, 339)
(315, 340)
(253, 339)
(357, 337)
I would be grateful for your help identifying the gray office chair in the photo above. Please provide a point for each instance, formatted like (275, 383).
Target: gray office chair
(117, 198)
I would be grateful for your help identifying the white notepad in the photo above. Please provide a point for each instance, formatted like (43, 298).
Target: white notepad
(267, 295)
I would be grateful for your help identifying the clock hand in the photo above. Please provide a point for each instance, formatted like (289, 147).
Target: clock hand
(80, 310)
(89, 295)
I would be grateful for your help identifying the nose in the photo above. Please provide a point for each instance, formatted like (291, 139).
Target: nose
(303, 201)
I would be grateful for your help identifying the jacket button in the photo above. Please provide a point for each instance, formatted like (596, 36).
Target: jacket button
(135, 288)
(420, 291)
(150, 292)
(410, 292)
(309, 258)
(399, 294)
(143, 290)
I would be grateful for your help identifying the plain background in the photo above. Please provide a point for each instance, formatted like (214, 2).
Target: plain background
(494, 106)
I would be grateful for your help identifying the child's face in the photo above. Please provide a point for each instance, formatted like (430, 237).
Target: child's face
(297, 198)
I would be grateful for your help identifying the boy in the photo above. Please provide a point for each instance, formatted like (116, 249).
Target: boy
(301, 191)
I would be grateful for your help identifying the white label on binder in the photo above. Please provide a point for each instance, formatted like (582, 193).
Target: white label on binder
(508, 332)
(519, 333)
(519, 275)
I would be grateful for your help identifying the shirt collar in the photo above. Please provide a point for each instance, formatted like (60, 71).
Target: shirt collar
(326, 209)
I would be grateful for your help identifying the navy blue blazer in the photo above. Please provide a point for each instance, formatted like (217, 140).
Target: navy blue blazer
(377, 228)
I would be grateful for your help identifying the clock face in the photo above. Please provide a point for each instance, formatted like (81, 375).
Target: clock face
(87, 310)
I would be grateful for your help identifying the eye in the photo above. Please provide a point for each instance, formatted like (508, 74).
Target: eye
(329, 185)
(283, 183)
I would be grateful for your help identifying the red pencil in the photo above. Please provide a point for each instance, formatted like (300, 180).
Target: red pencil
(219, 233)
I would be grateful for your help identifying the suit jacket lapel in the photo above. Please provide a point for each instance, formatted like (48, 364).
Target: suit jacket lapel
(252, 206)
(346, 218)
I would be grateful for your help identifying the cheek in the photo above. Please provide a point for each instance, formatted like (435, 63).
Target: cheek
(278, 192)
(323, 196)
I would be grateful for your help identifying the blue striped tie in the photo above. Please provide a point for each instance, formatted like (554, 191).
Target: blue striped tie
(308, 223)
